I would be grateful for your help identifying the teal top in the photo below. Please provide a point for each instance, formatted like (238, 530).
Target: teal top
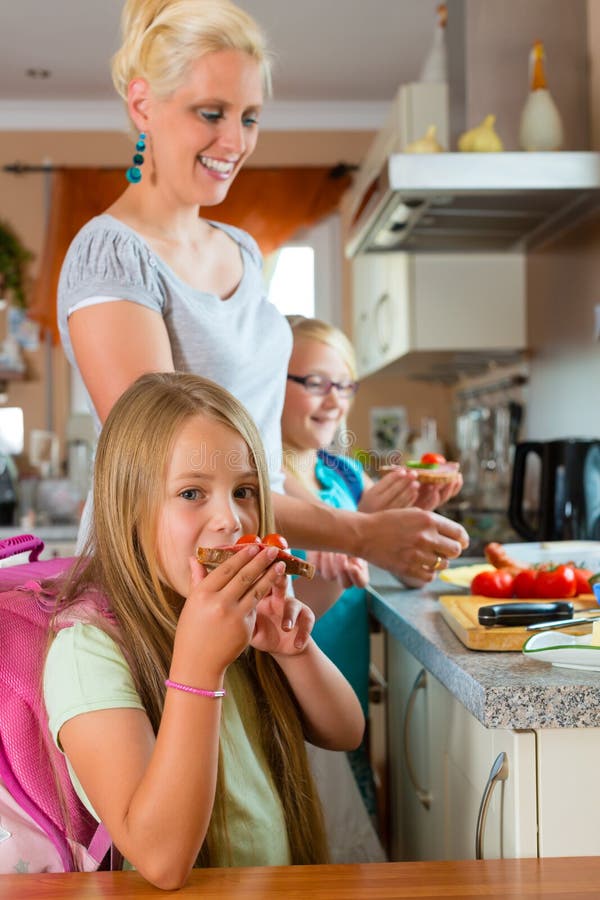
(343, 632)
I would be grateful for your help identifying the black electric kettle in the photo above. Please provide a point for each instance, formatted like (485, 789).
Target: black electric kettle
(568, 506)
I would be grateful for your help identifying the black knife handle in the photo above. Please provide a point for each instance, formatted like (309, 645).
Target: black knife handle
(524, 613)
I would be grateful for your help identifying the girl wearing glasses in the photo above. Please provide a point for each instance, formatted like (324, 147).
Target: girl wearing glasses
(321, 384)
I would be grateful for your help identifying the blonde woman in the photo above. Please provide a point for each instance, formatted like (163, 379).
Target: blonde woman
(150, 285)
(183, 707)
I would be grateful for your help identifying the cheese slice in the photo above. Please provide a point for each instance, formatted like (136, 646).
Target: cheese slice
(462, 576)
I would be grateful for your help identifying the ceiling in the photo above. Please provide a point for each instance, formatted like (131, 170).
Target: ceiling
(329, 54)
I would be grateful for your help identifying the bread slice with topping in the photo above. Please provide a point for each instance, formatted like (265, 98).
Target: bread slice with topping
(438, 473)
(214, 556)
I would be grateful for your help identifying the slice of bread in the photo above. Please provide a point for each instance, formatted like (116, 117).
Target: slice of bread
(213, 556)
(443, 473)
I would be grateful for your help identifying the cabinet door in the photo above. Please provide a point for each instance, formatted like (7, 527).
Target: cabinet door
(391, 313)
(368, 284)
(469, 302)
(413, 808)
(465, 753)
(443, 755)
(381, 327)
(569, 791)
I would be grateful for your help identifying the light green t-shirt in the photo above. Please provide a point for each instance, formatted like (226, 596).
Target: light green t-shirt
(86, 671)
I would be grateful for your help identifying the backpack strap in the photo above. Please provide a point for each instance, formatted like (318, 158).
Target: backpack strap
(347, 471)
(100, 845)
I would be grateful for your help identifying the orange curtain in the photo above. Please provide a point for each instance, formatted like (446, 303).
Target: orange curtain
(271, 204)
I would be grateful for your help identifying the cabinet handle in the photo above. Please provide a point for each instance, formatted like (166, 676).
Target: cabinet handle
(383, 332)
(423, 795)
(377, 685)
(498, 772)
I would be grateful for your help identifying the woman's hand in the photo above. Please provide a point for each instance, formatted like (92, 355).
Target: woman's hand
(397, 489)
(348, 571)
(283, 624)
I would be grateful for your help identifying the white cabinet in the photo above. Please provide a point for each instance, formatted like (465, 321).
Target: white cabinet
(440, 760)
(406, 306)
(381, 287)
(546, 801)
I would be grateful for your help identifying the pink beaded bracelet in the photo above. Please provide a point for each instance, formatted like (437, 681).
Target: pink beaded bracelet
(192, 690)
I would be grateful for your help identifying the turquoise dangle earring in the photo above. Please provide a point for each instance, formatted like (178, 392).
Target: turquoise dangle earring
(133, 173)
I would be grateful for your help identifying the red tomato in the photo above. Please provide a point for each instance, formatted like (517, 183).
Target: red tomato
(582, 581)
(497, 584)
(275, 540)
(556, 584)
(525, 584)
(434, 459)
(248, 539)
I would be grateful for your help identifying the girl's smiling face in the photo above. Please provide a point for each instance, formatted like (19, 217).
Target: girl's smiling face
(309, 421)
(211, 496)
(200, 135)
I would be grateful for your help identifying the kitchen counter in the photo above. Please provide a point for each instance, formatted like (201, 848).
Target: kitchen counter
(502, 690)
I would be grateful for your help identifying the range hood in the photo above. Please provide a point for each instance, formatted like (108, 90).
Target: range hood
(469, 202)
(464, 202)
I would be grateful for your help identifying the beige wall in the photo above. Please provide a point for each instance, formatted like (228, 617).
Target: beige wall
(563, 289)
(23, 205)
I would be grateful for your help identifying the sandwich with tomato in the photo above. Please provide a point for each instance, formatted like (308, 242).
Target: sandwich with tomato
(214, 556)
(432, 468)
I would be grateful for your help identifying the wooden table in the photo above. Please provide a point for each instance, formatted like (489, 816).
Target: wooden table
(572, 877)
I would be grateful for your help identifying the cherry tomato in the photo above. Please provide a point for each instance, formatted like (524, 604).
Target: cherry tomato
(275, 540)
(524, 586)
(248, 539)
(556, 584)
(433, 459)
(497, 584)
(582, 581)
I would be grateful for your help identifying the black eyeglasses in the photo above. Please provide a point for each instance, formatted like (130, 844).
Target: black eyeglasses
(318, 384)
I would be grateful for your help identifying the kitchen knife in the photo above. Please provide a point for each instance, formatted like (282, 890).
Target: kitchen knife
(525, 613)
(566, 623)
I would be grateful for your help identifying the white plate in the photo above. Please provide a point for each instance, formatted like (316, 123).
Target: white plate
(584, 553)
(568, 651)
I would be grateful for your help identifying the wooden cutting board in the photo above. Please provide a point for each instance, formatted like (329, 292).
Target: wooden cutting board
(460, 613)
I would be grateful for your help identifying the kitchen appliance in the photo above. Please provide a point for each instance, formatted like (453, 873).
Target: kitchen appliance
(442, 202)
(460, 202)
(555, 490)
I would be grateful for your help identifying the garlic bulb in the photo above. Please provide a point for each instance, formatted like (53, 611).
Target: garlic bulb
(541, 125)
(427, 144)
(481, 139)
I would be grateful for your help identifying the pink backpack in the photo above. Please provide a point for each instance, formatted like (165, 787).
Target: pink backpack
(33, 835)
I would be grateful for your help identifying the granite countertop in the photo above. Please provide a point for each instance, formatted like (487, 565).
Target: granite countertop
(502, 690)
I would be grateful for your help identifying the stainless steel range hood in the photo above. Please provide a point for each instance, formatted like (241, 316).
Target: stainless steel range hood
(469, 202)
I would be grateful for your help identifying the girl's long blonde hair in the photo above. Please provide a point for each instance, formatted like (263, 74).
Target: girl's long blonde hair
(162, 38)
(307, 329)
(120, 560)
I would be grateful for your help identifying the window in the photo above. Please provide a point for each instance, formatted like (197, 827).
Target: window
(11, 430)
(304, 276)
(292, 282)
